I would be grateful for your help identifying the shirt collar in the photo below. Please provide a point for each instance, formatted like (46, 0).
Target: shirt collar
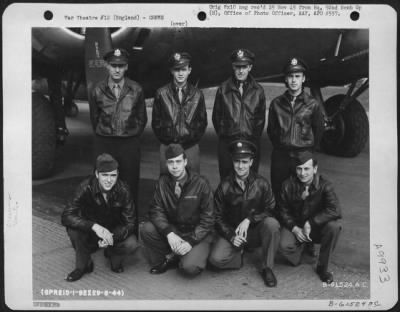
(111, 83)
(176, 88)
(290, 97)
(238, 82)
(238, 181)
(249, 82)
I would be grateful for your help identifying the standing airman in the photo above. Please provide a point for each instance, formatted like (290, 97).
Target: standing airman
(295, 124)
(118, 115)
(179, 113)
(239, 110)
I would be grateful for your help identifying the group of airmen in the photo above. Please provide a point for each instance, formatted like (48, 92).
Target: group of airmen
(190, 226)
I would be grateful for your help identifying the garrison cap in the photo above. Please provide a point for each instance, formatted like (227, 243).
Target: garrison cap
(106, 163)
(173, 150)
(179, 60)
(303, 157)
(242, 57)
(117, 56)
(295, 65)
(242, 149)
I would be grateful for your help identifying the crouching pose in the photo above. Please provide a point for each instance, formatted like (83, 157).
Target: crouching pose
(181, 217)
(244, 205)
(101, 215)
(309, 210)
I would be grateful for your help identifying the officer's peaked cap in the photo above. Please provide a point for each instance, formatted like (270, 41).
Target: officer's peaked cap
(295, 65)
(242, 57)
(178, 60)
(117, 56)
(242, 149)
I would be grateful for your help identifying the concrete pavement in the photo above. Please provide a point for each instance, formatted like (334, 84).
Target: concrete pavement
(53, 259)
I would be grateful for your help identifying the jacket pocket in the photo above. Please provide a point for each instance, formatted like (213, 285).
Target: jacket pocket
(128, 103)
(226, 127)
(189, 209)
(303, 133)
(166, 128)
(104, 125)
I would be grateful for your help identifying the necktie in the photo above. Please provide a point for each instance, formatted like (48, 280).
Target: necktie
(241, 88)
(242, 184)
(180, 95)
(305, 194)
(293, 101)
(178, 190)
(116, 91)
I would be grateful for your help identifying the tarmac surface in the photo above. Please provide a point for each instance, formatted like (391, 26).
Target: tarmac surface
(53, 255)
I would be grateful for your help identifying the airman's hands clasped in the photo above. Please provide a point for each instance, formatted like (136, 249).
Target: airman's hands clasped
(303, 234)
(241, 233)
(106, 237)
(178, 245)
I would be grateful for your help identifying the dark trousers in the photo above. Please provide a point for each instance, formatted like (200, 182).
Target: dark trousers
(127, 152)
(327, 235)
(265, 234)
(86, 243)
(225, 164)
(283, 165)
(158, 247)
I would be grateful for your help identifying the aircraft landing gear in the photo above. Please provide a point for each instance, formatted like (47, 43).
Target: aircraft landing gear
(346, 131)
(346, 122)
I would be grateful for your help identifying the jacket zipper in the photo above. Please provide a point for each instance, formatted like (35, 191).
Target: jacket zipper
(291, 122)
(241, 110)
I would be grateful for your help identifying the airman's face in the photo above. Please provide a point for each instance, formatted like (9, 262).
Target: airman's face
(181, 75)
(306, 171)
(241, 72)
(295, 81)
(107, 180)
(117, 71)
(176, 166)
(242, 166)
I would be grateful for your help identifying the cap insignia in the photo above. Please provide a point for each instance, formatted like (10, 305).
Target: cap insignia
(239, 144)
(117, 52)
(240, 53)
(177, 56)
(294, 62)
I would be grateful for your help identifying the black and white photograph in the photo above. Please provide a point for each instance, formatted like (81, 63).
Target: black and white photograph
(200, 156)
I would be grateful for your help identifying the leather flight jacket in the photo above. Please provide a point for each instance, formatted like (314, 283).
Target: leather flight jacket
(174, 122)
(319, 207)
(190, 216)
(122, 117)
(233, 205)
(89, 207)
(297, 127)
(239, 117)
